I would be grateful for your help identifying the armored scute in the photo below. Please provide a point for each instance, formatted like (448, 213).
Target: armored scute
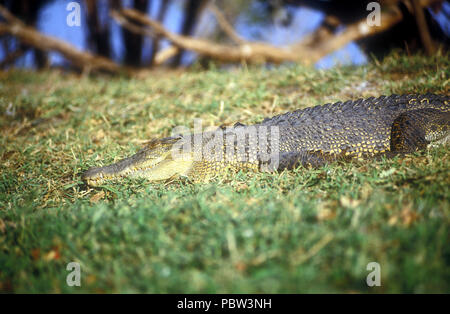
(312, 136)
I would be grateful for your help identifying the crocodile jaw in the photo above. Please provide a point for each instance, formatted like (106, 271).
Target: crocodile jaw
(155, 162)
(164, 170)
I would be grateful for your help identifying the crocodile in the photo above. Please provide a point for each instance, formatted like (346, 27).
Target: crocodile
(355, 129)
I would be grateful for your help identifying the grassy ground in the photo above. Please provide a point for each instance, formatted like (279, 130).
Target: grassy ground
(298, 231)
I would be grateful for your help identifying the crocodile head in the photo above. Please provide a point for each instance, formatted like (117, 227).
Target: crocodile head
(154, 162)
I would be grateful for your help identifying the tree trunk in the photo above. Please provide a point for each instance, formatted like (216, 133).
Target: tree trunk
(192, 11)
(160, 18)
(132, 41)
(98, 35)
(28, 12)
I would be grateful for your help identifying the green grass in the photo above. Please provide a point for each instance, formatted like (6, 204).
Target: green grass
(308, 230)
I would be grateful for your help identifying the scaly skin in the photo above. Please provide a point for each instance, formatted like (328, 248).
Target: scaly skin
(316, 135)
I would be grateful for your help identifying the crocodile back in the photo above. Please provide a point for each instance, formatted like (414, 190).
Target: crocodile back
(352, 128)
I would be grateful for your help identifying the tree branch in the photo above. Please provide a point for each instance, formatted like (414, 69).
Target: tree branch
(251, 52)
(30, 36)
(226, 27)
(155, 45)
(164, 55)
(423, 27)
(356, 31)
(122, 21)
(306, 51)
(11, 57)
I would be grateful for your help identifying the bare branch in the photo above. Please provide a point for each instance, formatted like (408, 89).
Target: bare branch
(308, 51)
(122, 21)
(161, 56)
(322, 33)
(305, 52)
(249, 52)
(164, 55)
(11, 57)
(356, 31)
(9, 17)
(226, 27)
(423, 27)
(164, 4)
(36, 39)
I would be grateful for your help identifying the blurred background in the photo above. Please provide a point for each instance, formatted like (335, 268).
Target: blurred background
(103, 35)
